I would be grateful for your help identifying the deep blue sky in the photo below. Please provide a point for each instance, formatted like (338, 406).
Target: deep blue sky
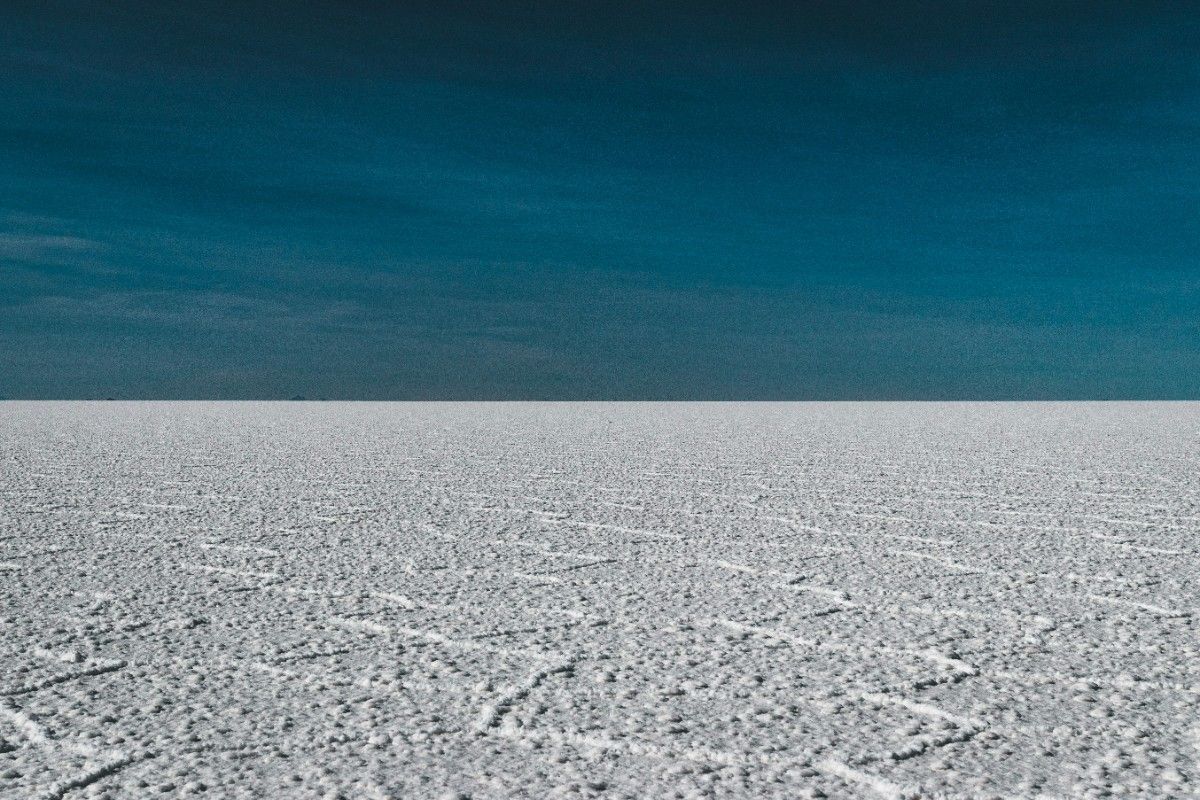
(591, 200)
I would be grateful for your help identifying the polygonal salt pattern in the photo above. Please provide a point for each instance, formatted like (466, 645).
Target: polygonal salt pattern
(599, 600)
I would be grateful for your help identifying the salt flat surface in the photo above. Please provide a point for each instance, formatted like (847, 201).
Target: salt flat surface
(618, 600)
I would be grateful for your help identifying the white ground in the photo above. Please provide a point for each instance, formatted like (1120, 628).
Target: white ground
(405, 601)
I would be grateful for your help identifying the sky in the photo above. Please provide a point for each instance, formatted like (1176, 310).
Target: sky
(600, 200)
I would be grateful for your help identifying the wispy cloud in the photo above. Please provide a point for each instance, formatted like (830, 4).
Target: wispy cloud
(32, 247)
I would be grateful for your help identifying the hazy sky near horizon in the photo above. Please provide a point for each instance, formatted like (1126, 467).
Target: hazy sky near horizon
(756, 200)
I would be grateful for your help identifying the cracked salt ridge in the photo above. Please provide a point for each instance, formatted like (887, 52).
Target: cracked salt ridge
(103, 765)
(493, 712)
(376, 629)
(90, 669)
(1107, 683)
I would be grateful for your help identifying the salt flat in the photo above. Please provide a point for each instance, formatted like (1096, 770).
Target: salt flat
(618, 600)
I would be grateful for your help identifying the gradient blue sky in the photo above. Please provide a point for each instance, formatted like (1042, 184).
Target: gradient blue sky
(592, 200)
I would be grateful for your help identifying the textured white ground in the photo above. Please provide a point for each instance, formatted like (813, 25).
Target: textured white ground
(406, 601)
